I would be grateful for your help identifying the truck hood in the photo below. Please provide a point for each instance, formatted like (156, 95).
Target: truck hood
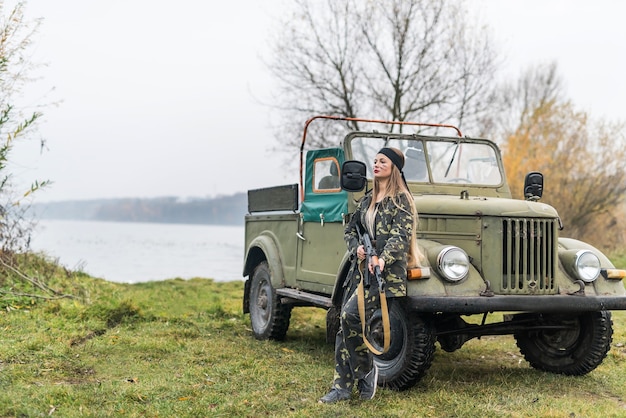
(482, 206)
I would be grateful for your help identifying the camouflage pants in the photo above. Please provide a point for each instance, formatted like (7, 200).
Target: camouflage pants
(353, 360)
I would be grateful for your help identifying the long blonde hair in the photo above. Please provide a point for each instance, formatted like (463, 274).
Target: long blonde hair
(396, 186)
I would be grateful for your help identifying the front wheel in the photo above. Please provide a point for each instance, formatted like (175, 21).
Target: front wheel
(268, 316)
(411, 349)
(574, 346)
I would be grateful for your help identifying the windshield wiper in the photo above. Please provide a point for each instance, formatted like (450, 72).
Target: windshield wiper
(451, 160)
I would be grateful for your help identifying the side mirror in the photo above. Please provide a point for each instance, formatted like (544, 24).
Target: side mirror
(533, 185)
(353, 178)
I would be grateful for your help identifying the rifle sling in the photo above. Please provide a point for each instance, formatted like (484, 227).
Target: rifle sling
(385, 317)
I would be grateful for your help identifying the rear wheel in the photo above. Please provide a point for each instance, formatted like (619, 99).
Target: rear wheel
(576, 346)
(269, 317)
(411, 349)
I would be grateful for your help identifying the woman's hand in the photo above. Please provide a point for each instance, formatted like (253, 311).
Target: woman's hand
(360, 252)
(381, 264)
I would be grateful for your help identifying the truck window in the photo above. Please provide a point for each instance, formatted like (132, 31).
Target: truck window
(326, 175)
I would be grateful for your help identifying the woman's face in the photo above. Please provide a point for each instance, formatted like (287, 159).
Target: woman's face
(382, 166)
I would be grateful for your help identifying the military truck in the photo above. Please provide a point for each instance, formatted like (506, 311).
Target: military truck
(493, 265)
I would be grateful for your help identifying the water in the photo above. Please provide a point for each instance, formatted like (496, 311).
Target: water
(128, 252)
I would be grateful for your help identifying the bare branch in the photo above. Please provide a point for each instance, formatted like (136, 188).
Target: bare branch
(398, 60)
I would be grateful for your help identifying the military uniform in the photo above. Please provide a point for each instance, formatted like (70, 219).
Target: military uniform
(393, 227)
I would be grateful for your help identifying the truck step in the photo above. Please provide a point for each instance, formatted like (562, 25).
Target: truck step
(298, 295)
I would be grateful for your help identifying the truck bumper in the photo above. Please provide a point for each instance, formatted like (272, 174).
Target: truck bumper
(515, 303)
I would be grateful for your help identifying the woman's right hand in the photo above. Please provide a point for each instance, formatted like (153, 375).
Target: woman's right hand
(360, 252)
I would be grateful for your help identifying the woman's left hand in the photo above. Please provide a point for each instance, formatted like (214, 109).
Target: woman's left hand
(381, 264)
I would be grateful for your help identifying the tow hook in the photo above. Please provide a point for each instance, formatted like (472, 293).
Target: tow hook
(487, 292)
(579, 292)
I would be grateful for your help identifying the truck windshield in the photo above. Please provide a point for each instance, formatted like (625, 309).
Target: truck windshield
(435, 161)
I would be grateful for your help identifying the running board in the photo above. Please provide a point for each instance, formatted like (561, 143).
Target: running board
(295, 295)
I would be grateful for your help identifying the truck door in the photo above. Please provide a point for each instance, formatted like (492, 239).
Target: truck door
(321, 244)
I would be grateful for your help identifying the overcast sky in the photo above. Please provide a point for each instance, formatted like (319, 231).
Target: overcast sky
(160, 98)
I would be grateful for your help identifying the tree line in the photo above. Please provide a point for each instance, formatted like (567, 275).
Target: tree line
(222, 210)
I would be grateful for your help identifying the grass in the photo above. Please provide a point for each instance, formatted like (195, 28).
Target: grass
(184, 348)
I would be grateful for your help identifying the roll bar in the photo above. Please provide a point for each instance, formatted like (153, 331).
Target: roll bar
(348, 119)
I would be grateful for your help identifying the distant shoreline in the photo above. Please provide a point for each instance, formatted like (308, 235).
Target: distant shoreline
(223, 210)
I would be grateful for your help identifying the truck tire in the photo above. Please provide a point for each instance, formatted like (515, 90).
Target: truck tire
(410, 353)
(268, 316)
(575, 351)
(332, 323)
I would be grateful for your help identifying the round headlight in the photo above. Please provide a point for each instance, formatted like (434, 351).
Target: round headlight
(453, 263)
(587, 265)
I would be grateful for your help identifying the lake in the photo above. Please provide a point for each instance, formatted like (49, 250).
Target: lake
(129, 252)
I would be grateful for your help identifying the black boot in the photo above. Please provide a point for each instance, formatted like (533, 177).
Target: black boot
(335, 395)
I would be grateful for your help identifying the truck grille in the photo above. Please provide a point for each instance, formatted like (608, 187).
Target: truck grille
(529, 255)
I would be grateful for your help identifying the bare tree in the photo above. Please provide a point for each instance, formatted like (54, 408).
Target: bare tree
(381, 59)
(16, 123)
(516, 100)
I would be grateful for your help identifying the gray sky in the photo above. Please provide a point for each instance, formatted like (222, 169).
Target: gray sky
(160, 98)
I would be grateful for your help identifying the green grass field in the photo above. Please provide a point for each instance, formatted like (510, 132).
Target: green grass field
(184, 348)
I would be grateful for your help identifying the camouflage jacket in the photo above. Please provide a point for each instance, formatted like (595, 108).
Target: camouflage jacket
(392, 235)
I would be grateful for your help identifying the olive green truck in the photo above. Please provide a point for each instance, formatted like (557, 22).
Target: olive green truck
(485, 253)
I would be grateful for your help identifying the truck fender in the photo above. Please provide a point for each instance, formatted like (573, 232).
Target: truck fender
(574, 244)
(263, 248)
(430, 249)
(342, 273)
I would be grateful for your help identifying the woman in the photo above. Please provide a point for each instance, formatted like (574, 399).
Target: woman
(387, 214)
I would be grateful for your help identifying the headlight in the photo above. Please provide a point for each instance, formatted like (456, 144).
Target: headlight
(587, 266)
(453, 263)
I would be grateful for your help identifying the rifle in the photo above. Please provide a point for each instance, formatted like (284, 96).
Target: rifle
(371, 257)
